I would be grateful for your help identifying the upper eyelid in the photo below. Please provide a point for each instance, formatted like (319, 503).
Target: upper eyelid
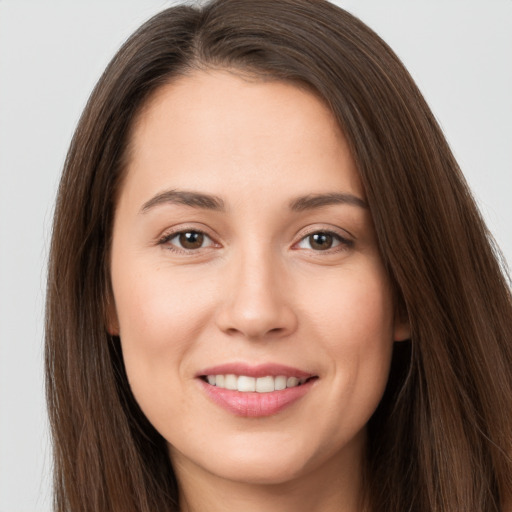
(343, 241)
(170, 236)
(170, 233)
(335, 230)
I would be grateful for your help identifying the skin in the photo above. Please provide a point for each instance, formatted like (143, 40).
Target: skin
(257, 290)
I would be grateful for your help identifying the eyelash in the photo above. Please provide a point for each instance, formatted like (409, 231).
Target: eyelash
(166, 239)
(343, 243)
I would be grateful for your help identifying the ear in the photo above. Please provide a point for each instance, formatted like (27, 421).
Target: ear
(402, 326)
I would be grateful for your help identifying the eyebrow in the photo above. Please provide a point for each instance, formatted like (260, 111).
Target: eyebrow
(313, 201)
(210, 202)
(187, 198)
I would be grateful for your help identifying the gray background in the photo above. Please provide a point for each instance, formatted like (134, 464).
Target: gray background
(51, 54)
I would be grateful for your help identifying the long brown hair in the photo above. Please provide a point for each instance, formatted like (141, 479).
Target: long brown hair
(441, 438)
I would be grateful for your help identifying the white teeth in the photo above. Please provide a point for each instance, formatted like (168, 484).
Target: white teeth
(248, 384)
(265, 384)
(231, 382)
(280, 383)
(291, 382)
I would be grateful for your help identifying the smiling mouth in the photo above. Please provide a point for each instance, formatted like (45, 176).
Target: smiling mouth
(247, 384)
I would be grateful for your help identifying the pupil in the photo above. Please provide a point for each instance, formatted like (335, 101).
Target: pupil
(321, 241)
(191, 240)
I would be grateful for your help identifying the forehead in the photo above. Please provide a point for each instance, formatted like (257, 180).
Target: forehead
(218, 129)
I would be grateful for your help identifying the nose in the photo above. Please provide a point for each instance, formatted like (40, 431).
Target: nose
(256, 301)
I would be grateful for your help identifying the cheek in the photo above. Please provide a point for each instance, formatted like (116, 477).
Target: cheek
(354, 321)
(159, 324)
(353, 310)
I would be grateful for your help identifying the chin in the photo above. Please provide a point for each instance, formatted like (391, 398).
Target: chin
(268, 458)
(257, 460)
(273, 470)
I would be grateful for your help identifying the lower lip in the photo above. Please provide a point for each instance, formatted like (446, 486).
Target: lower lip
(254, 405)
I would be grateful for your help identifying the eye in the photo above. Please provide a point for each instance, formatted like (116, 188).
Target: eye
(187, 240)
(323, 241)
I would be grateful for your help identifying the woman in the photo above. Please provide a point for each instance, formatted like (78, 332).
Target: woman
(269, 285)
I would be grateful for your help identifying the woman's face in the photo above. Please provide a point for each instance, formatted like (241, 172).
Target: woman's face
(243, 250)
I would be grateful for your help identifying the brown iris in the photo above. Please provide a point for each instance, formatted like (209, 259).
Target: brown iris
(191, 239)
(321, 241)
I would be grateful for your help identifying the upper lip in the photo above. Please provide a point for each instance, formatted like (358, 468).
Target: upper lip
(260, 370)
